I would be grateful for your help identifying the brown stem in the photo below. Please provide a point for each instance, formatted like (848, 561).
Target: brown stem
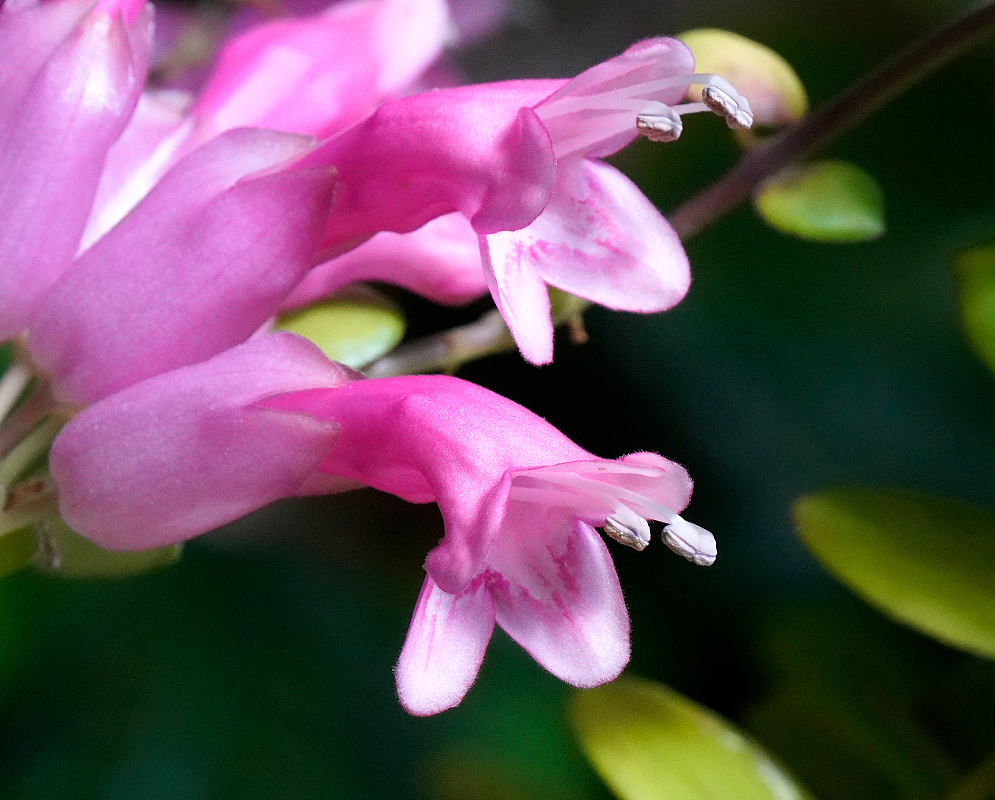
(835, 117)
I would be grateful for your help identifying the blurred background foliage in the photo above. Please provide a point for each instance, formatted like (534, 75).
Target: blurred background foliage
(259, 665)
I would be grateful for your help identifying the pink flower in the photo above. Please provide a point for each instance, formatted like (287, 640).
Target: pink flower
(520, 503)
(176, 455)
(233, 225)
(521, 161)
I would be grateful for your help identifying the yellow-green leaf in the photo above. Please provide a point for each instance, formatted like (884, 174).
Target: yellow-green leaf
(353, 328)
(824, 201)
(64, 552)
(650, 743)
(975, 270)
(926, 561)
(776, 94)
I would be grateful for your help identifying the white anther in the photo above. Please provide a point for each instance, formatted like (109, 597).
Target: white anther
(729, 104)
(627, 527)
(662, 124)
(690, 541)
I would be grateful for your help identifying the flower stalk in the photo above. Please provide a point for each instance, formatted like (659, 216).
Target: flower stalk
(849, 108)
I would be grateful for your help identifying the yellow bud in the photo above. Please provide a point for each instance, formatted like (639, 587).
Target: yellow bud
(353, 327)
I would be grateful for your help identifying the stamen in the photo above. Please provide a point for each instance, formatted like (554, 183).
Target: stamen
(627, 521)
(735, 109)
(690, 541)
(580, 117)
(628, 528)
(663, 125)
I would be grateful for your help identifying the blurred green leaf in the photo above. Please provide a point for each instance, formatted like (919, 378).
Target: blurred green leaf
(824, 201)
(926, 561)
(16, 549)
(66, 553)
(353, 328)
(975, 270)
(843, 680)
(650, 743)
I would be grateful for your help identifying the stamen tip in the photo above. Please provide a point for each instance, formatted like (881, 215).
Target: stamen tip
(660, 126)
(690, 541)
(628, 528)
(735, 108)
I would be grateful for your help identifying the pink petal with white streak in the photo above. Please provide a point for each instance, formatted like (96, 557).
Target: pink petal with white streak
(556, 593)
(444, 648)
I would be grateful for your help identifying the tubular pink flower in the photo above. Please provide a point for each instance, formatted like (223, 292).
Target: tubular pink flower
(520, 503)
(520, 160)
(182, 453)
(72, 74)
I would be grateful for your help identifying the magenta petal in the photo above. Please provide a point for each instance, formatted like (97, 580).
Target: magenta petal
(143, 153)
(53, 143)
(198, 266)
(444, 648)
(601, 239)
(182, 453)
(440, 261)
(474, 149)
(519, 293)
(321, 73)
(432, 438)
(557, 595)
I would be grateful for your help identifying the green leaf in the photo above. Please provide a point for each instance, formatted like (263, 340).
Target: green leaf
(66, 553)
(353, 328)
(926, 561)
(975, 270)
(650, 743)
(825, 201)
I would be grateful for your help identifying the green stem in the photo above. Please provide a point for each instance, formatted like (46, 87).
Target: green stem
(28, 450)
(446, 351)
(843, 112)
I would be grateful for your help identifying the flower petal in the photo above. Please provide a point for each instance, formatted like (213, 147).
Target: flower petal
(601, 239)
(182, 453)
(519, 293)
(556, 593)
(473, 149)
(198, 266)
(322, 73)
(53, 142)
(142, 154)
(440, 261)
(589, 121)
(431, 438)
(444, 648)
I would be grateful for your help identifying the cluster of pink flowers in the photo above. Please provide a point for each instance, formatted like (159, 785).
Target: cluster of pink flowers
(150, 237)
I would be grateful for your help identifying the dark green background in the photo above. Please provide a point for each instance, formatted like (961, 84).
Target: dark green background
(260, 665)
